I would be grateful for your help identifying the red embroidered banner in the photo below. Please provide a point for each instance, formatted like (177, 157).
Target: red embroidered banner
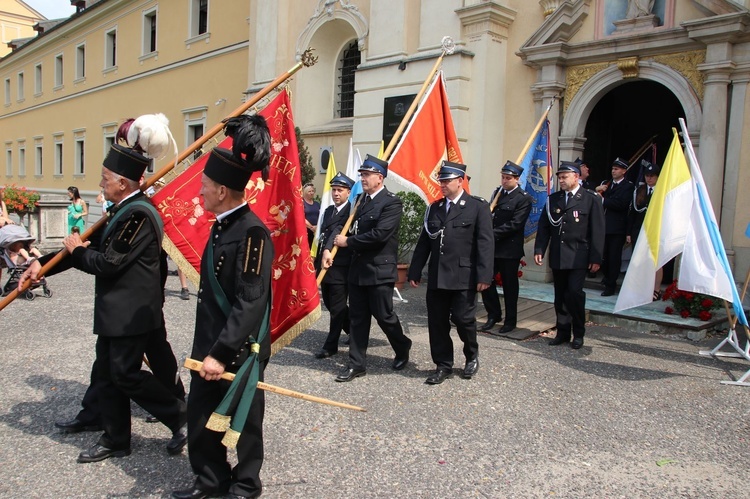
(277, 202)
(428, 140)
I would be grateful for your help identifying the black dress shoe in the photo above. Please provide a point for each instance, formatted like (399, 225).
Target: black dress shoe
(75, 426)
(349, 374)
(608, 292)
(577, 343)
(488, 325)
(193, 493)
(470, 369)
(438, 377)
(324, 354)
(151, 419)
(400, 363)
(100, 453)
(237, 496)
(177, 442)
(559, 340)
(507, 328)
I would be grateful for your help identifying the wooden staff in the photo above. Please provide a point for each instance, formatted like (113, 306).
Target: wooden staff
(525, 148)
(307, 60)
(448, 48)
(640, 151)
(196, 365)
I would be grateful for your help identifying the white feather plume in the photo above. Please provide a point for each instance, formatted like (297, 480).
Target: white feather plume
(151, 133)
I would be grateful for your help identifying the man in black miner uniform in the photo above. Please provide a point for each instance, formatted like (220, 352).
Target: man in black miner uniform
(508, 222)
(372, 273)
(234, 296)
(617, 195)
(125, 257)
(572, 225)
(334, 288)
(457, 239)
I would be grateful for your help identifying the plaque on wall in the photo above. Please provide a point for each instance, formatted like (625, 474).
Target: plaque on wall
(394, 109)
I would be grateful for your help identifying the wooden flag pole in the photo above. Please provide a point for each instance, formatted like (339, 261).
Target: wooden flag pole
(307, 60)
(448, 48)
(525, 148)
(640, 151)
(196, 365)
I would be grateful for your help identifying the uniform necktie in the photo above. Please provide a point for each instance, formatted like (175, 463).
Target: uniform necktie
(367, 200)
(447, 206)
(650, 191)
(568, 195)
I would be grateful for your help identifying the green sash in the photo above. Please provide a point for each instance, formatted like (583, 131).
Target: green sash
(213, 282)
(231, 414)
(151, 210)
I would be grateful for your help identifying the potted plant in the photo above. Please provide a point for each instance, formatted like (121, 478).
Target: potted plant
(409, 231)
(19, 200)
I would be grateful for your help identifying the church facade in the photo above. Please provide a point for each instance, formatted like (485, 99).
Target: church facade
(621, 73)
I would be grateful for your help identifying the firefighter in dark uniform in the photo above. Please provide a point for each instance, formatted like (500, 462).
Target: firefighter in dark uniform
(372, 273)
(508, 223)
(617, 194)
(573, 228)
(125, 257)
(234, 298)
(334, 288)
(457, 239)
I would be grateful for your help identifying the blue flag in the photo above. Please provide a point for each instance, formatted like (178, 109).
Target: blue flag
(537, 177)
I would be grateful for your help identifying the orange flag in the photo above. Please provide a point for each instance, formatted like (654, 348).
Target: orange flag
(277, 202)
(428, 140)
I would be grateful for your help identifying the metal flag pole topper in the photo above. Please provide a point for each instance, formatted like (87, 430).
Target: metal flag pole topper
(306, 60)
(448, 47)
(526, 148)
(196, 365)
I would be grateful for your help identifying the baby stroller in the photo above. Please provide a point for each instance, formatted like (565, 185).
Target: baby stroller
(13, 237)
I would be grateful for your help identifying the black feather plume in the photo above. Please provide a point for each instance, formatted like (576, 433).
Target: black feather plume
(251, 141)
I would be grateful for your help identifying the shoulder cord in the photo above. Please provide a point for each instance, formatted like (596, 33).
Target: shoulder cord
(635, 205)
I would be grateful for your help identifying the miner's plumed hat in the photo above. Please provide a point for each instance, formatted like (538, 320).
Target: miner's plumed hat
(251, 151)
(126, 162)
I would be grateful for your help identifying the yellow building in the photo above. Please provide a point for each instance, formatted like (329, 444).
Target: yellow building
(17, 22)
(624, 71)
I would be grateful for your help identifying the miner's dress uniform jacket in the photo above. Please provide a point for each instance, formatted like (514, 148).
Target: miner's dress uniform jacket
(462, 255)
(579, 239)
(242, 258)
(636, 217)
(374, 242)
(338, 273)
(242, 261)
(508, 223)
(128, 293)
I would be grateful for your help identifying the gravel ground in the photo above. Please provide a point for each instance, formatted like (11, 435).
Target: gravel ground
(629, 415)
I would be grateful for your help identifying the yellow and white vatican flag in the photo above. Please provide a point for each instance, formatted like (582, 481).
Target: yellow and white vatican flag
(325, 202)
(664, 229)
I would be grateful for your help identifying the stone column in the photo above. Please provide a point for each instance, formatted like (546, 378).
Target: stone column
(737, 123)
(713, 129)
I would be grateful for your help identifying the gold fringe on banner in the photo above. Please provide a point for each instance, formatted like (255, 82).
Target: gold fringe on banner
(218, 422)
(296, 330)
(230, 439)
(181, 262)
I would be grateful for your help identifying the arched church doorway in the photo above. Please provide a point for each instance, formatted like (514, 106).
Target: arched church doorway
(625, 119)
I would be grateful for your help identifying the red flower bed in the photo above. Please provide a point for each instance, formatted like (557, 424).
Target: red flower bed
(689, 304)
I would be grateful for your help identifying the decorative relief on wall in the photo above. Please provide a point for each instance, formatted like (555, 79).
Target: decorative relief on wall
(685, 63)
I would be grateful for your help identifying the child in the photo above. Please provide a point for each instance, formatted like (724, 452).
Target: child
(17, 243)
